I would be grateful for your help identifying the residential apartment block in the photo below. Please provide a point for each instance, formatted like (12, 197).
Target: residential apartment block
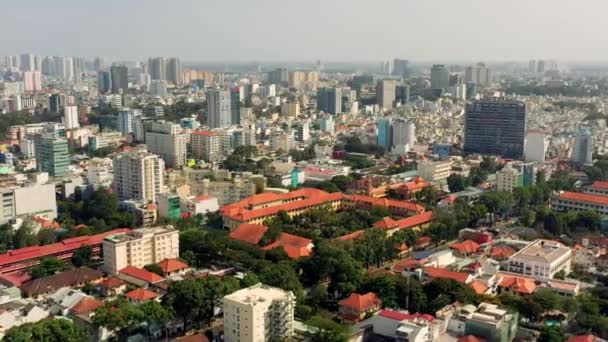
(138, 175)
(258, 313)
(139, 248)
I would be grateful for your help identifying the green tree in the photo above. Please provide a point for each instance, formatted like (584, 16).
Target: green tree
(328, 186)
(457, 182)
(82, 256)
(118, 315)
(52, 330)
(342, 182)
(24, 236)
(553, 224)
(249, 279)
(551, 334)
(326, 330)
(47, 266)
(46, 237)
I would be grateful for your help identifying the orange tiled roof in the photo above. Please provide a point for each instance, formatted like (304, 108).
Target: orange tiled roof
(386, 223)
(86, 305)
(518, 284)
(248, 232)
(352, 236)
(600, 185)
(478, 287)
(141, 294)
(408, 264)
(471, 338)
(581, 197)
(172, 265)
(583, 338)
(111, 283)
(360, 302)
(442, 273)
(141, 274)
(468, 246)
(415, 221)
(295, 246)
(501, 252)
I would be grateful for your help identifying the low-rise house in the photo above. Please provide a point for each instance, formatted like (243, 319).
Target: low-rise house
(356, 306)
(140, 295)
(112, 286)
(416, 222)
(466, 248)
(18, 313)
(295, 246)
(486, 321)
(172, 266)
(73, 278)
(398, 326)
(139, 276)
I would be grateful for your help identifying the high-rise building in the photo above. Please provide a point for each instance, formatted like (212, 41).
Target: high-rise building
(219, 112)
(440, 77)
(536, 146)
(329, 100)
(138, 175)
(104, 82)
(139, 247)
(279, 76)
(404, 135)
(52, 154)
(401, 68)
(167, 140)
(582, 152)
(495, 126)
(27, 62)
(402, 93)
(210, 146)
(384, 133)
(70, 117)
(174, 71)
(32, 81)
(540, 66)
(361, 80)
(126, 120)
(158, 88)
(478, 74)
(120, 79)
(532, 66)
(235, 105)
(258, 313)
(98, 64)
(157, 68)
(385, 93)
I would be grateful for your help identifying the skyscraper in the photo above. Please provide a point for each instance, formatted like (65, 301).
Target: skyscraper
(138, 175)
(385, 134)
(120, 80)
(401, 68)
(404, 135)
(104, 82)
(174, 71)
(70, 117)
(385, 93)
(27, 62)
(495, 126)
(479, 74)
(582, 153)
(402, 93)
(329, 100)
(52, 154)
(279, 76)
(235, 105)
(157, 68)
(218, 108)
(32, 81)
(126, 120)
(440, 77)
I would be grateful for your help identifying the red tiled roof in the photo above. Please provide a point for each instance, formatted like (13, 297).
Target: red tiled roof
(401, 316)
(352, 236)
(200, 337)
(408, 264)
(386, 223)
(360, 302)
(518, 284)
(202, 197)
(142, 274)
(141, 294)
(111, 283)
(478, 287)
(415, 221)
(442, 273)
(248, 232)
(583, 338)
(67, 245)
(295, 246)
(600, 185)
(471, 338)
(86, 305)
(17, 278)
(468, 246)
(172, 265)
(501, 252)
(581, 197)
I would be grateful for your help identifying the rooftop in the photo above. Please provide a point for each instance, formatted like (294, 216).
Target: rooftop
(257, 293)
(542, 250)
(360, 302)
(582, 197)
(141, 274)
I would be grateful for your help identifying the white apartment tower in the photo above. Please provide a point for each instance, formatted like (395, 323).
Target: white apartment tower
(258, 313)
(138, 175)
(535, 146)
(70, 117)
(168, 141)
(139, 248)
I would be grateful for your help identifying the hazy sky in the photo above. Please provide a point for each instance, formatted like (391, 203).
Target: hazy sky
(331, 30)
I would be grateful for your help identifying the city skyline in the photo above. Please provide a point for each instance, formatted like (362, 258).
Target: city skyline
(236, 31)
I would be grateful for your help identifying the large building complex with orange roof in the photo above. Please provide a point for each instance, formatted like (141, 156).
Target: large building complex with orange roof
(577, 201)
(259, 208)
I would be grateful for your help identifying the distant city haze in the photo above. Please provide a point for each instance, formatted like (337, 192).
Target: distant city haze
(330, 30)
